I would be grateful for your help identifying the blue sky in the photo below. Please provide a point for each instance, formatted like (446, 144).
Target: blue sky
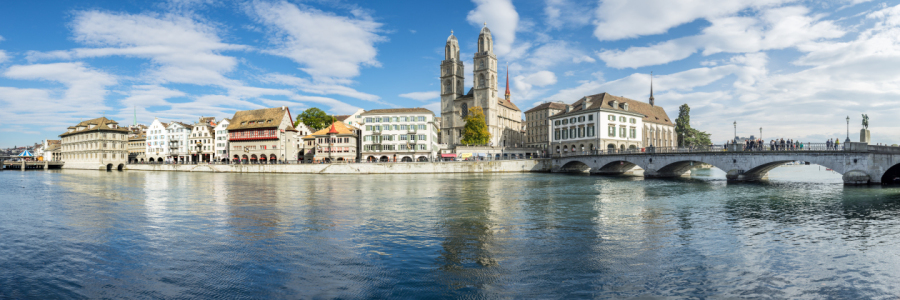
(794, 68)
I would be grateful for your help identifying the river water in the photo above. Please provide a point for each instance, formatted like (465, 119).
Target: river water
(89, 234)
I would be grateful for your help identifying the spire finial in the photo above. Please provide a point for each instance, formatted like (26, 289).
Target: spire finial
(651, 88)
(451, 31)
(507, 81)
(485, 24)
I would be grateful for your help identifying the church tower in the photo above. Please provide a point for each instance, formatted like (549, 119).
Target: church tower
(452, 79)
(485, 84)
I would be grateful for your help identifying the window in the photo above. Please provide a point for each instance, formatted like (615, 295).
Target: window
(590, 130)
(421, 127)
(633, 132)
(572, 132)
(622, 131)
(368, 120)
(572, 120)
(612, 131)
(402, 127)
(368, 127)
(378, 120)
(565, 134)
(581, 132)
(396, 127)
(565, 121)
(421, 119)
(422, 147)
(590, 117)
(611, 118)
(377, 127)
(403, 119)
(581, 119)
(556, 123)
(421, 137)
(402, 137)
(556, 134)
(622, 119)
(395, 119)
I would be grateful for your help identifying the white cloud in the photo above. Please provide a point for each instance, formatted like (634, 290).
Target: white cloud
(775, 28)
(501, 18)
(3, 56)
(566, 13)
(422, 96)
(184, 50)
(619, 19)
(83, 94)
(434, 107)
(524, 86)
(322, 88)
(324, 44)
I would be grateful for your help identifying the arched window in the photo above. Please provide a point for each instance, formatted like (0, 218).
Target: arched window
(465, 110)
(459, 87)
(447, 87)
(481, 80)
(481, 64)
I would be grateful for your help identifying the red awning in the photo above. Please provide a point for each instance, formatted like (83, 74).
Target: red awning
(449, 155)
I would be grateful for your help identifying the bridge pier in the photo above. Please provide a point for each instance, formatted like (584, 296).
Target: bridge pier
(23, 165)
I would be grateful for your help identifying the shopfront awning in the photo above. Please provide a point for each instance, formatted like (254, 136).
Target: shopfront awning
(448, 155)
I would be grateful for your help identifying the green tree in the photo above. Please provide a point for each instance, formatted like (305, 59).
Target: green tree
(688, 136)
(683, 123)
(314, 118)
(476, 132)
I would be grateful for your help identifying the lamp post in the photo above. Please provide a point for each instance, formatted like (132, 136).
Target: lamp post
(735, 131)
(848, 131)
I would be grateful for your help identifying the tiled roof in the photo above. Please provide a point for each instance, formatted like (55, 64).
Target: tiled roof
(548, 105)
(341, 117)
(398, 110)
(508, 104)
(652, 114)
(101, 123)
(339, 127)
(260, 118)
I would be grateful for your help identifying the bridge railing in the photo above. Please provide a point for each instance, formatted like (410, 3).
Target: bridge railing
(796, 147)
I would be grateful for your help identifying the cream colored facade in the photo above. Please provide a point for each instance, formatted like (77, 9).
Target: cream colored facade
(97, 144)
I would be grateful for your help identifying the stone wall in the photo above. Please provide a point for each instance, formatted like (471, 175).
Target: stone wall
(363, 168)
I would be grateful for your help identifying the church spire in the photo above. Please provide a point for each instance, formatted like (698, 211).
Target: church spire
(651, 89)
(507, 81)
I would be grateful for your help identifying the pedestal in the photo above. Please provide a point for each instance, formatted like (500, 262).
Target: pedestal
(864, 136)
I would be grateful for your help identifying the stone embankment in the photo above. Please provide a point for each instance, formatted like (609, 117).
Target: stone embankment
(498, 166)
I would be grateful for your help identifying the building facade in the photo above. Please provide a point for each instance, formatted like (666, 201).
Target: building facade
(355, 119)
(177, 134)
(338, 142)
(98, 144)
(611, 123)
(399, 135)
(137, 145)
(503, 118)
(201, 142)
(537, 124)
(221, 133)
(262, 136)
(157, 141)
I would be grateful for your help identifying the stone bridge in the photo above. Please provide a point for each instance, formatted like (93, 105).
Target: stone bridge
(866, 166)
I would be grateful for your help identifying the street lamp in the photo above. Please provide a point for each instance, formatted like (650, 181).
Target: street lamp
(735, 131)
(760, 133)
(848, 130)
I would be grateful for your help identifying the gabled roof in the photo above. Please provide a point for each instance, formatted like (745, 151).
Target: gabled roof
(260, 118)
(548, 105)
(652, 114)
(338, 127)
(101, 123)
(509, 104)
(188, 126)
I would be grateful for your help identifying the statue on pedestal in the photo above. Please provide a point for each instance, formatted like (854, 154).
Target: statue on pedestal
(865, 119)
(864, 136)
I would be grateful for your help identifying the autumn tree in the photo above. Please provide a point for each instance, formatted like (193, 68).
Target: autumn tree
(476, 132)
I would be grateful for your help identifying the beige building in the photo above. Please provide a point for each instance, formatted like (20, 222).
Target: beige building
(503, 118)
(537, 120)
(137, 144)
(97, 144)
(262, 136)
(202, 140)
(336, 143)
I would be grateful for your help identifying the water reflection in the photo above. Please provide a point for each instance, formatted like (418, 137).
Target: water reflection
(176, 235)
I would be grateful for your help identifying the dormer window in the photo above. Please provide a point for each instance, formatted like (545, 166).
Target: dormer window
(615, 104)
(625, 106)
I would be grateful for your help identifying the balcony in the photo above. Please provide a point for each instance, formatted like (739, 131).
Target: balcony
(411, 130)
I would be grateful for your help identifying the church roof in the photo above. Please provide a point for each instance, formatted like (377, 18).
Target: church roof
(485, 30)
(508, 104)
(652, 114)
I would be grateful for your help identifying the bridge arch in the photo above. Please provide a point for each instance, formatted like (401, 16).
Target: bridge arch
(575, 166)
(891, 175)
(615, 167)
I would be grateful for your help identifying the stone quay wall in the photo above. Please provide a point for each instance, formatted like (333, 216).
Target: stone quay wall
(499, 166)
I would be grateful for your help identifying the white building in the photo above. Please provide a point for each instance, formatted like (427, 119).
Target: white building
(355, 119)
(221, 133)
(400, 134)
(95, 144)
(177, 135)
(607, 122)
(201, 145)
(157, 141)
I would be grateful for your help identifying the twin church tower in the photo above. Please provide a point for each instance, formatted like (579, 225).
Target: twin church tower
(503, 118)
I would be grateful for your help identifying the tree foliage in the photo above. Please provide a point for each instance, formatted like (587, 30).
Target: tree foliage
(476, 132)
(314, 118)
(688, 136)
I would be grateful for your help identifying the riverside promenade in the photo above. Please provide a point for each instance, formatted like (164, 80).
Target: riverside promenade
(497, 166)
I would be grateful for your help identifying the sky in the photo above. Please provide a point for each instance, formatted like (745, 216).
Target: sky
(795, 69)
